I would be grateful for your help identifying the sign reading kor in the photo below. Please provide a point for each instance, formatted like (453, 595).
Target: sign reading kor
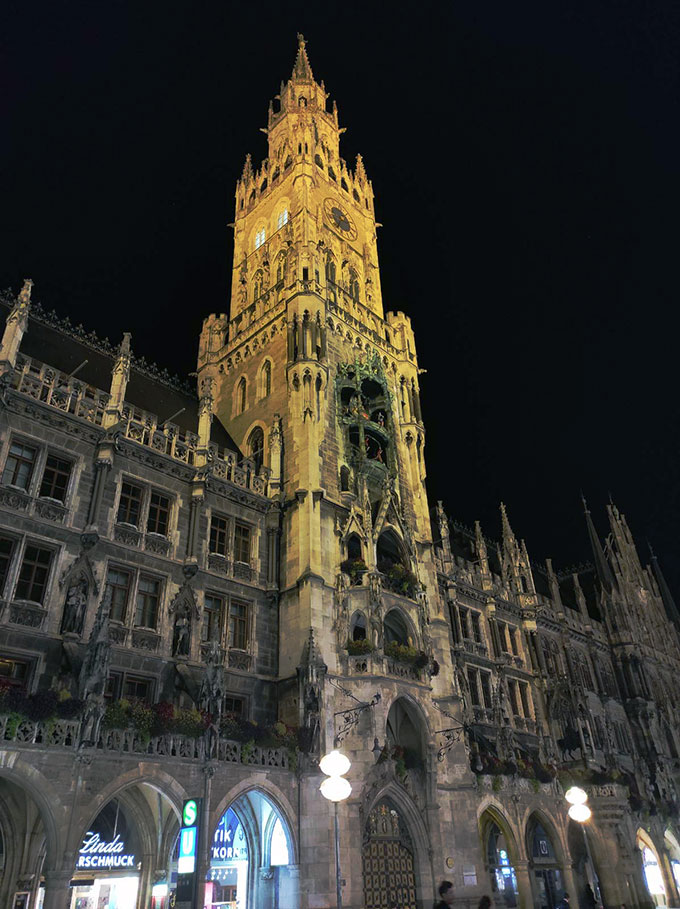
(98, 853)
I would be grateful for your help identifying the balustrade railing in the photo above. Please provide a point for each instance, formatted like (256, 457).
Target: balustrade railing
(69, 395)
(66, 734)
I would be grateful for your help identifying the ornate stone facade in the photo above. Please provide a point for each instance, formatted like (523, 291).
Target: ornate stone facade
(304, 579)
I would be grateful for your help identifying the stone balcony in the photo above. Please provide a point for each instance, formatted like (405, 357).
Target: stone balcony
(32, 734)
(377, 663)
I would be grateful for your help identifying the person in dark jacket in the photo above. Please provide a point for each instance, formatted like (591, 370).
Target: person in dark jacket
(485, 902)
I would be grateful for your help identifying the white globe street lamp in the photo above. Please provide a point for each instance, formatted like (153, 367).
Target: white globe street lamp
(576, 796)
(581, 813)
(336, 789)
(335, 763)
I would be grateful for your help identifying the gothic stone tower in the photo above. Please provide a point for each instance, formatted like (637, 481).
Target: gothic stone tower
(320, 389)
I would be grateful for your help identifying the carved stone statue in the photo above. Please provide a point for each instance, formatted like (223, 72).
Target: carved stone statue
(185, 611)
(211, 694)
(311, 674)
(94, 673)
(75, 607)
(181, 635)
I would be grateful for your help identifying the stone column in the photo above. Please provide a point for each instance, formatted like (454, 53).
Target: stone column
(526, 893)
(57, 890)
(205, 838)
(672, 896)
(145, 882)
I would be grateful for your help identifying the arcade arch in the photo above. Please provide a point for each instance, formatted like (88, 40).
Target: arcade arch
(500, 852)
(545, 863)
(252, 856)
(395, 839)
(651, 868)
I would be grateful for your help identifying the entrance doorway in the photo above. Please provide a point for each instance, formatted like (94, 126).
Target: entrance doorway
(503, 877)
(388, 860)
(546, 874)
(251, 858)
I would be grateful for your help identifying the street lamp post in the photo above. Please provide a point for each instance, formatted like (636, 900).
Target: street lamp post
(581, 813)
(336, 789)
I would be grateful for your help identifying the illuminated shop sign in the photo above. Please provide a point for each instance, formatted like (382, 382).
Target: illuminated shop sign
(98, 853)
(229, 843)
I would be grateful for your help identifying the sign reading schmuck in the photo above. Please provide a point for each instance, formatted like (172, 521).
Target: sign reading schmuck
(98, 853)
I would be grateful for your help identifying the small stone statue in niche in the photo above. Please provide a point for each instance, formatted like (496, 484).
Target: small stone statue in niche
(74, 608)
(181, 634)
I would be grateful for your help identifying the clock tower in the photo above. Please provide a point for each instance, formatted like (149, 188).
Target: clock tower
(320, 389)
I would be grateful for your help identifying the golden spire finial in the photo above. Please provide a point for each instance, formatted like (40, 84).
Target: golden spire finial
(302, 70)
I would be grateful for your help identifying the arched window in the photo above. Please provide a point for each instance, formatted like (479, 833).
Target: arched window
(358, 627)
(256, 448)
(331, 173)
(395, 628)
(356, 195)
(263, 185)
(330, 271)
(354, 285)
(282, 218)
(241, 389)
(343, 184)
(289, 162)
(260, 237)
(344, 479)
(257, 285)
(354, 547)
(318, 161)
(266, 379)
(406, 731)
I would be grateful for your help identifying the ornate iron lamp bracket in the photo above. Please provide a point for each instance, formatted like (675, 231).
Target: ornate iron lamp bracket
(351, 716)
(451, 734)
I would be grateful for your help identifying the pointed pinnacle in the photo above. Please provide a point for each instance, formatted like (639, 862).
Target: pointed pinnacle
(124, 349)
(302, 70)
(247, 168)
(25, 292)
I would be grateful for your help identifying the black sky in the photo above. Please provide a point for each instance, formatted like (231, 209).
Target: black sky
(524, 159)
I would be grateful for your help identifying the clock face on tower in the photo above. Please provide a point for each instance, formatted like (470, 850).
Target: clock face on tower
(339, 219)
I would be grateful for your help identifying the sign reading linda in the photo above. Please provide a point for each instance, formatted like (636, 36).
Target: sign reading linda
(98, 853)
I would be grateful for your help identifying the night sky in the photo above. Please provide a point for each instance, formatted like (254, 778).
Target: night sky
(524, 159)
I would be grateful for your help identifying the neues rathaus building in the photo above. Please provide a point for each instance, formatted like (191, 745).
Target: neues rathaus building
(203, 587)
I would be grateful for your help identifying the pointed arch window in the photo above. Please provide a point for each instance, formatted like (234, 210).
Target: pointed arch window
(257, 285)
(354, 285)
(256, 447)
(241, 390)
(282, 218)
(281, 268)
(266, 379)
(260, 237)
(330, 271)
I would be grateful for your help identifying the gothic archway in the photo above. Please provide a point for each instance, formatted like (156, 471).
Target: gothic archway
(500, 851)
(388, 859)
(547, 877)
(251, 856)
